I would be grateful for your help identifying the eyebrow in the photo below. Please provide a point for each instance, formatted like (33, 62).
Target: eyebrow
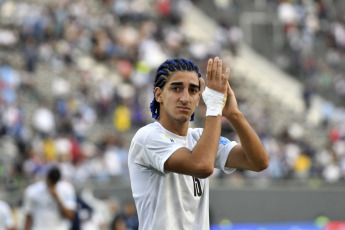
(180, 83)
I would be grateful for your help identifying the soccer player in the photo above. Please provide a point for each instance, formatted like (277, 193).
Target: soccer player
(50, 203)
(6, 218)
(169, 163)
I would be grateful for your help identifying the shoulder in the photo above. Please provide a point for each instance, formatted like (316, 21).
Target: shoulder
(195, 133)
(3, 205)
(64, 184)
(148, 131)
(35, 187)
(5, 210)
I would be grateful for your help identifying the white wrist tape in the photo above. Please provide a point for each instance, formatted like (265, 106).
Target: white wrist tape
(215, 102)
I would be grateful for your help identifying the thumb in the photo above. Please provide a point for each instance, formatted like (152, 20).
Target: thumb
(229, 90)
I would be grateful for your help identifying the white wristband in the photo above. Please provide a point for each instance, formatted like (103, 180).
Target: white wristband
(215, 102)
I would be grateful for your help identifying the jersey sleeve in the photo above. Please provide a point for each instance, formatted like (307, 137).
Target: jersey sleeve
(27, 202)
(8, 218)
(67, 195)
(153, 150)
(224, 148)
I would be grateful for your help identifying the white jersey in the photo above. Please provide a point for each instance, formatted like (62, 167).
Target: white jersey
(6, 218)
(167, 200)
(44, 209)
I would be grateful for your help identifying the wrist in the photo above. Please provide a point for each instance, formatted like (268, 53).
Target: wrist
(215, 102)
(234, 115)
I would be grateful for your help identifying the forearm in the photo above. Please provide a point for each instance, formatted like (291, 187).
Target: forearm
(214, 97)
(200, 161)
(27, 224)
(254, 150)
(205, 150)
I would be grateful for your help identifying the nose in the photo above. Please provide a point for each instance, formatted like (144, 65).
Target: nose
(185, 97)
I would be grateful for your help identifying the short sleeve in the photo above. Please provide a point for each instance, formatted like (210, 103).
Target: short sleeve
(224, 148)
(27, 202)
(67, 195)
(8, 219)
(153, 150)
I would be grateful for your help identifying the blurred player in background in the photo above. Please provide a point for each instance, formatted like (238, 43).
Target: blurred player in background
(170, 163)
(50, 203)
(6, 218)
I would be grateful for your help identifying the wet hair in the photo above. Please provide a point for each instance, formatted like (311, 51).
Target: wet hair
(54, 175)
(162, 75)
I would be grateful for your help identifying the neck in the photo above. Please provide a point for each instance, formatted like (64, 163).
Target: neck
(177, 127)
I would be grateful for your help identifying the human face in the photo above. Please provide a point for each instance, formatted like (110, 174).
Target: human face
(179, 97)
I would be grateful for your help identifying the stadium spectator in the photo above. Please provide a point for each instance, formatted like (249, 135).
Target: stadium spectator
(44, 121)
(6, 218)
(130, 40)
(127, 219)
(169, 164)
(83, 216)
(49, 203)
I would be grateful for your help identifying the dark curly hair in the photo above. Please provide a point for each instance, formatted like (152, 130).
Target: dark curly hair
(54, 175)
(164, 71)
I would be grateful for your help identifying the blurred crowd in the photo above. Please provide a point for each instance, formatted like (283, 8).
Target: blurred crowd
(314, 44)
(314, 49)
(109, 50)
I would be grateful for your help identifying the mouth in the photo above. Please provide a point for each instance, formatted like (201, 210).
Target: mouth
(183, 108)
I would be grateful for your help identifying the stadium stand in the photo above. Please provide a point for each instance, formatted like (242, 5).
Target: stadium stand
(83, 69)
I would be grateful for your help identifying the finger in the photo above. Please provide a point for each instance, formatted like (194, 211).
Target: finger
(223, 82)
(227, 73)
(214, 67)
(219, 69)
(202, 84)
(222, 78)
(209, 68)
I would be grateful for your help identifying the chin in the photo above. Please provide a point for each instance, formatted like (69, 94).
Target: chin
(182, 119)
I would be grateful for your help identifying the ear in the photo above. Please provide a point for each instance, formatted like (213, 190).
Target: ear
(202, 84)
(199, 95)
(158, 94)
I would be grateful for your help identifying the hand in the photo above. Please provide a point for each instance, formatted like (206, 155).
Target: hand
(52, 191)
(215, 79)
(231, 106)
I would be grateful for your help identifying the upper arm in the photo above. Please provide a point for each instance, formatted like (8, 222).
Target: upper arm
(237, 159)
(67, 199)
(152, 151)
(27, 224)
(7, 217)
(27, 202)
(28, 210)
(182, 161)
(68, 196)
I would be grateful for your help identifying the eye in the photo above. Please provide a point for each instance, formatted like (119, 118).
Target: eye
(175, 88)
(194, 90)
